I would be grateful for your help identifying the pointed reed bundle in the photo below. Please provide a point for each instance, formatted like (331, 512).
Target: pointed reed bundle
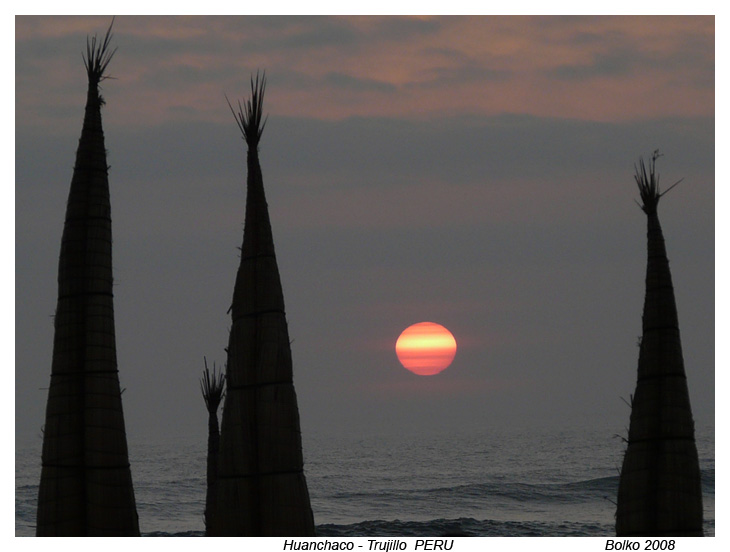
(659, 487)
(261, 489)
(86, 484)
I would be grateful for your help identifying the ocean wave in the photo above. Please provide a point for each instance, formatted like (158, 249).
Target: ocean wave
(178, 534)
(572, 491)
(470, 527)
(516, 491)
(466, 527)
(462, 527)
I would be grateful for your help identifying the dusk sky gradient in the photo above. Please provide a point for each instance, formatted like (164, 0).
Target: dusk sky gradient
(476, 172)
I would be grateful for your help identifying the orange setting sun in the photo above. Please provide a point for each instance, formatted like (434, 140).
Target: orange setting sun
(425, 348)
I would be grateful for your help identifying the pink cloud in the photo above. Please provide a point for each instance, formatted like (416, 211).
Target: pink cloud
(595, 68)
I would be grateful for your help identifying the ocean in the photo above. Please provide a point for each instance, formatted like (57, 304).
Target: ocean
(531, 482)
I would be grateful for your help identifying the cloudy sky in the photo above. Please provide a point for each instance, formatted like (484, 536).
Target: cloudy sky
(476, 172)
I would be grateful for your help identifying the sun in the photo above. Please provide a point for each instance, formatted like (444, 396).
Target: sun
(426, 348)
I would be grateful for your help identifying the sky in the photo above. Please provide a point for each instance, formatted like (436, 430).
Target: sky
(475, 172)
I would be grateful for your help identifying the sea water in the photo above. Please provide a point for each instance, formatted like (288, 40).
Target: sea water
(489, 483)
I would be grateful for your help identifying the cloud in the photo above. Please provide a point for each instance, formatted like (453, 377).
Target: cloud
(595, 68)
(348, 82)
(453, 68)
(603, 65)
